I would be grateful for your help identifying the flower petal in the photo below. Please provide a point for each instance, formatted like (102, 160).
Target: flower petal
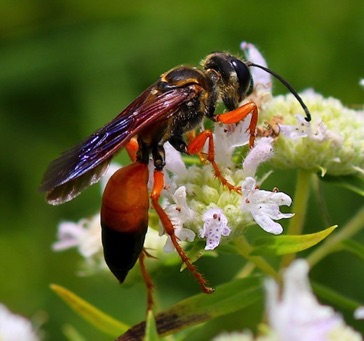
(297, 315)
(228, 137)
(266, 223)
(215, 226)
(69, 235)
(15, 327)
(264, 205)
(174, 162)
(260, 76)
(261, 152)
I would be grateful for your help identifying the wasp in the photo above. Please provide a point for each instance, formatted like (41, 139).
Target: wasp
(171, 107)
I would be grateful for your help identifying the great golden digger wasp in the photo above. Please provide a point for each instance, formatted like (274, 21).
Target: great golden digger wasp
(174, 105)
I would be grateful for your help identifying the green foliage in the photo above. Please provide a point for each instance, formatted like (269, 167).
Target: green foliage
(94, 316)
(283, 245)
(228, 298)
(350, 182)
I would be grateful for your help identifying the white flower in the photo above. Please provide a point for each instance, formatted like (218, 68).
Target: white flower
(260, 77)
(261, 152)
(318, 132)
(295, 314)
(301, 129)
(14, 327)
(182, 234)
(85, 235)
(359, 313)
(235, 336)
(174, 161)
(229, 136)
(179, 213)
(215, 226)
(262, 80)
(264, 205)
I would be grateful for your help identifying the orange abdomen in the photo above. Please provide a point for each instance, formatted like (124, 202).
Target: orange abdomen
(124, 217)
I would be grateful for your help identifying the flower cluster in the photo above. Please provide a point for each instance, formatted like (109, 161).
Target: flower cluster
(209, 209)
(84, 235)
(214, 212)
(333, 143)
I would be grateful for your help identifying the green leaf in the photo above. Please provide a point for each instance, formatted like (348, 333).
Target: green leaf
(351, 182)
(282, 245)
(227, 298)
(353, 247)
(72, 334)
(91, 314)
(151, 333)
(334, 298)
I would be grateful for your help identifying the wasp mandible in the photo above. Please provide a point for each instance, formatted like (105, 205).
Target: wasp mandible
(171, 107)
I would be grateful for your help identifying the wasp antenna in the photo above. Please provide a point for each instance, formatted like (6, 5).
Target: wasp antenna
(288, 86)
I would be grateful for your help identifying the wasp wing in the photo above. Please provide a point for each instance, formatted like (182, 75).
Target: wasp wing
(84, 164)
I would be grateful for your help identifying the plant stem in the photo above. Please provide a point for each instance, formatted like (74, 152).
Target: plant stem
(349, 230)
(244, 249)
(299, 208)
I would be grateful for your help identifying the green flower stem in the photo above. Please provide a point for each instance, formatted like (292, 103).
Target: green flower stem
(299, 208)
(244, 249)
(349, 230)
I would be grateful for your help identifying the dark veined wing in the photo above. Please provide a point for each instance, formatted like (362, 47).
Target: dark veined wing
(85, 163)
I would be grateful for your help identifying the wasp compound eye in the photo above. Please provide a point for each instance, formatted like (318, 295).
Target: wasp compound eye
(243, 74)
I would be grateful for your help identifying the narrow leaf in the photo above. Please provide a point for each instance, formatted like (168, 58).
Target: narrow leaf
(151, 333)
(91, 314)
(227, 298)
(334, 297)
(282, 245)
(351, 182)
(354, 247)
(72, 334)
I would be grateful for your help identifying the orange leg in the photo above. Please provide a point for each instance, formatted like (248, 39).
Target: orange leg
(147, 279)
(238, 115)
(168, 227)
(132, 148)
(196, 146)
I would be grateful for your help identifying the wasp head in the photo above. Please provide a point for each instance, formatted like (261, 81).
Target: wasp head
(230, 76)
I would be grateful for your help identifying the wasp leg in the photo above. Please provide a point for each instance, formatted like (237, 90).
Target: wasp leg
(238, 115)
(147, 280)
(132, 147)
(168, 227)
(196, 146)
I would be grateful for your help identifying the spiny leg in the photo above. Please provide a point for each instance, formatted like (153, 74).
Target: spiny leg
(196, 146)
(168, 227)
(238, 115)
(231, 117)
(147, 280)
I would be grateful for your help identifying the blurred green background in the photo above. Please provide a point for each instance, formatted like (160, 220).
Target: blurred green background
(68, 67)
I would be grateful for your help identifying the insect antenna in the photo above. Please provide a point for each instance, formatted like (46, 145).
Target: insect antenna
(288, 86)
